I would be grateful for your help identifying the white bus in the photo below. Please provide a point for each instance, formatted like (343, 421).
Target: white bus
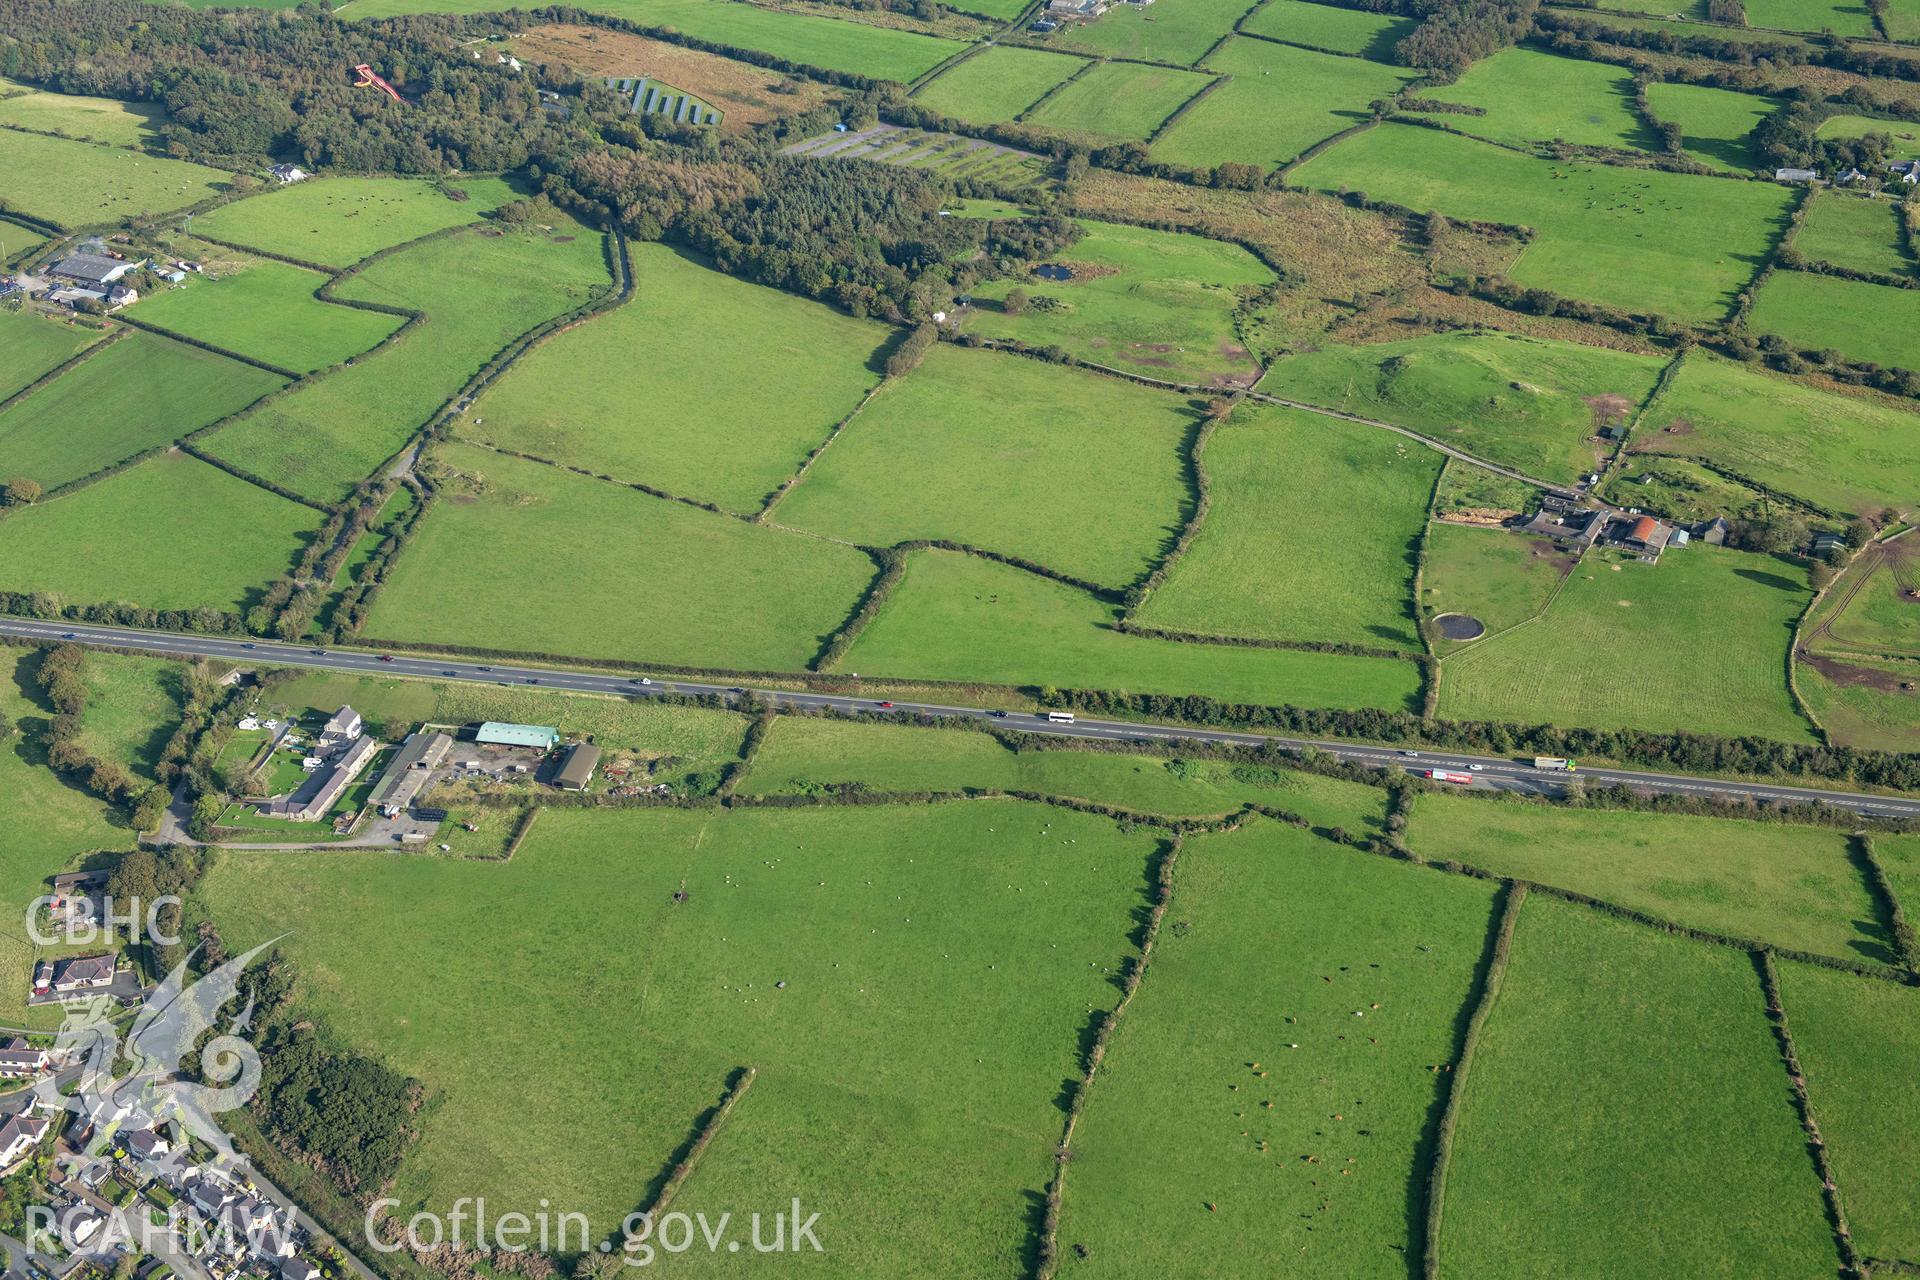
(1060, 717)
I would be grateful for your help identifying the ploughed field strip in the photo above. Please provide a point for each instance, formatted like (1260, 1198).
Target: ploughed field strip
(945, 154)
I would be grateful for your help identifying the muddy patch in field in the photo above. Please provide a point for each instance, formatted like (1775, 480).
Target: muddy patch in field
(1847, 675)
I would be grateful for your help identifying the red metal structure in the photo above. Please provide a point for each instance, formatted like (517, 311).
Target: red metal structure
(370, 79)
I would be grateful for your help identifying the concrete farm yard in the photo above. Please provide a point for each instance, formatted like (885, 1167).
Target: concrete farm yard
(1142, 638)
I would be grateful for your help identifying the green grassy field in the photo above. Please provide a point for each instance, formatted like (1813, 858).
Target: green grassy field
(141, 392)
(171, 533)
(1792, 886)
(1862, 321)
(1310, 535)
(1526, 403)
(1181, 34)
(958, 617)
(835, 44)
(983, 949)
(1280, 101)
(1077, 471)
(1529, 96)
(46, 827)
(1488, 573)
(31, 345)
(1118, 100)
(268, 311)
(1860, 233)
(997, 84)
(639, 578)
(1240, 1080)
(1622, 648)
(1154, 302)
(1624, 1068)
(807, 755)
(133, 706)
(480, 291)
(1864, 703)
(1842, 17)
(1902, 21)
(1639, 239)
(1846, 126)
(1846, 452)
(1714, 122)
(1899, 857)
(1857, 1039)
(632, 726)
(1881, 618)
(1323, 26)
(338, 221)
(98, 184)
(18, 242)
(104, 120)
(702, 385)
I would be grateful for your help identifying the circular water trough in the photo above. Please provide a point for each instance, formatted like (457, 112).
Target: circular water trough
(1461, 626)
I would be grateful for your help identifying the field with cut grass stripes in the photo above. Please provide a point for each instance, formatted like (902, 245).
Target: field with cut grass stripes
(142, 392)
(1620, 648)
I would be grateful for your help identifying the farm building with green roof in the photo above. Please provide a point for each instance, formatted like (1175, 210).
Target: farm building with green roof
(517, 735)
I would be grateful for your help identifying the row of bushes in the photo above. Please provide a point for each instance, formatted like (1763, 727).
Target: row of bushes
(241, 473)
(1488, 984)
(1817, 1145)
(1049, 1260)
(1562, 24)
(86, 353)
(295, 601)
(132, 321)
(350, 611)
(1906, 943)
(1202, 503)
(65, 688)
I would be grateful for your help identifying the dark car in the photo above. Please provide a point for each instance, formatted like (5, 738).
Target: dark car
(998, 715)
(67, 635)
(533, 679)
(449, 673)
(386, 657)
(318, 653)
(249, 645)
(486, 668)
